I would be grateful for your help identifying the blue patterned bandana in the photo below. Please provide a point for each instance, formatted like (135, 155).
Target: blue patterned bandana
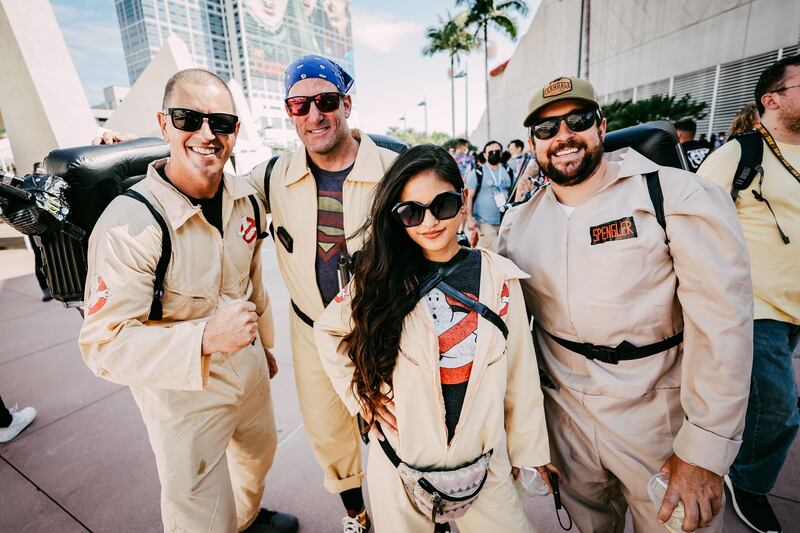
(317, 67)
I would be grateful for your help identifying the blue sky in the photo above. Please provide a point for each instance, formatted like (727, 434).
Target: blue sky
(391, 74)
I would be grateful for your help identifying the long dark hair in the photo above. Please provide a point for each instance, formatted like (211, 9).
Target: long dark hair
(385, 278)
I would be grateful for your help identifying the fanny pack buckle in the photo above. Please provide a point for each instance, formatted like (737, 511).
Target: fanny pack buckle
(604, 354)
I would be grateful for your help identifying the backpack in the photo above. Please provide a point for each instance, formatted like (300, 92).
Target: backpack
(749, 165)
(60, 209)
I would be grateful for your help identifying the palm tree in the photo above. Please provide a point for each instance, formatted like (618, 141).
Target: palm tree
(484, 13)
(451, 37)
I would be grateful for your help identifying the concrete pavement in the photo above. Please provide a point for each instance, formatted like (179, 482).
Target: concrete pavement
(85, 463)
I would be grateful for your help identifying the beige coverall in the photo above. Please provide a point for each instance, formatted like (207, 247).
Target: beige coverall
(209, 418)
(292, 201)
(503, 398)
(614, 426)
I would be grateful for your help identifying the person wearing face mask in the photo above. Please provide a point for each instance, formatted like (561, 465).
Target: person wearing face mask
(487, 194)
(464, 386)
(642, 303)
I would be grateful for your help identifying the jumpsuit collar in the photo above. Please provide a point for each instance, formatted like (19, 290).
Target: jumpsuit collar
(177, 206)
(367, 166)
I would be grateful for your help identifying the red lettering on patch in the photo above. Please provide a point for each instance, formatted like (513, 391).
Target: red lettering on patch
(616, 230)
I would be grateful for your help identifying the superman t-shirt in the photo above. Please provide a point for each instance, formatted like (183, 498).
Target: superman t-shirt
(456, 326)
(330, 228)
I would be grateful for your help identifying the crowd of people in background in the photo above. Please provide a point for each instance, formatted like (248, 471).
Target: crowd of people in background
(525, 177)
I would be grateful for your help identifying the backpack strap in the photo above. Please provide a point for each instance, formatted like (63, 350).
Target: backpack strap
(749, 165)
(657, 198)
(156, 311)
(267, 176)
(257, 217)
(479, 176)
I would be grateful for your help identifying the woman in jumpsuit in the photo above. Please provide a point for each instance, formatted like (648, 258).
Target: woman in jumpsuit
(445, 385)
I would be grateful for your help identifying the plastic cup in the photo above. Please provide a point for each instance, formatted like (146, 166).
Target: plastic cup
(657, 488)
(531, 483)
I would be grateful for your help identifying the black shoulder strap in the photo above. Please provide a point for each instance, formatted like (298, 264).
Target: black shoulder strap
(268, 174)
(257, 217)
(156, 312)
(479, 175)
(657, 197)
(749, 163)
(436, 279)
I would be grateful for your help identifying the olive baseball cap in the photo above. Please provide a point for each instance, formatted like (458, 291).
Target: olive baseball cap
(563, 88)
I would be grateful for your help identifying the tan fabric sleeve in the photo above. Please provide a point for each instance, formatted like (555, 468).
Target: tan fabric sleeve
(256, 180)
(714, 288)
(259, 296)
(329, 331)
(526, 430)
(114, 340)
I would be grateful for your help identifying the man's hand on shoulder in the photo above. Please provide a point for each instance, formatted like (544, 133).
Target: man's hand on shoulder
(113, 137)
(232, 327)
(699, 489)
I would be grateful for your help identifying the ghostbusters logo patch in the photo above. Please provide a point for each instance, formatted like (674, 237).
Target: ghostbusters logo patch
(504, 300)
(616, 230)
(556, 87)
(98, 296)
(247, 229)
(342, 295)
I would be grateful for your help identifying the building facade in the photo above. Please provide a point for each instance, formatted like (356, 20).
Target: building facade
(251, 41)
(713, 50)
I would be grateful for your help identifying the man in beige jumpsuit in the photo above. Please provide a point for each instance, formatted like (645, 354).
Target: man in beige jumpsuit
(310, 222)
(605, 273)
(200, 375)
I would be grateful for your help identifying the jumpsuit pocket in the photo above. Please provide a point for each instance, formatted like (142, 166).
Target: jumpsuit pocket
(180, 306)
(497, 358)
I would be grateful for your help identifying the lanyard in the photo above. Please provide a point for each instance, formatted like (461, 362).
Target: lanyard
(773, 146)
(494, 178)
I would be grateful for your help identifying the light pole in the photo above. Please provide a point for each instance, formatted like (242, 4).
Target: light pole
(403, 120)
(463, 74)
(424, 103)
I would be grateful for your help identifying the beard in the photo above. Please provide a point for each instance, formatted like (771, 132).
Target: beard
(576, 174)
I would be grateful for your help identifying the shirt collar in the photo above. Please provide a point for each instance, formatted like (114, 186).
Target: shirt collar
(367, 166)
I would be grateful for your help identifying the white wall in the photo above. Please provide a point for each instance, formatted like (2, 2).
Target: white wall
(634, 42)
(41, 96)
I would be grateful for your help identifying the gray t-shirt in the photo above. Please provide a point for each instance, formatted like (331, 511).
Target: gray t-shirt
(484, 208)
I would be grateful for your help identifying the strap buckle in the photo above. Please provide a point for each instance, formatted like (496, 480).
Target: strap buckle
(603, 354)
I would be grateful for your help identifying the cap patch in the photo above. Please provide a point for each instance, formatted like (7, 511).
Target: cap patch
(556, 87)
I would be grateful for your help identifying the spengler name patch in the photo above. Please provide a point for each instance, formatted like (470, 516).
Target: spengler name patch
(616, 230)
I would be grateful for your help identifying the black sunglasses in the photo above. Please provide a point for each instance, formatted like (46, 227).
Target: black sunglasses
(444, 207)
(298, 106)
(577, 121)
(191, 120)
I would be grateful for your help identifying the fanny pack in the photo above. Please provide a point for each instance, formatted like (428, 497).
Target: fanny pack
(443, 495)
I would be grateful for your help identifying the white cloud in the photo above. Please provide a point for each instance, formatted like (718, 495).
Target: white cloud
(381, 32)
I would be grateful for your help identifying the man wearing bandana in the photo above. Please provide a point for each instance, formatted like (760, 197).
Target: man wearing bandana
(317, 196)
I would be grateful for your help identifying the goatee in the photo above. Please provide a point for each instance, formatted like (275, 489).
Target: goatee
(587, 166)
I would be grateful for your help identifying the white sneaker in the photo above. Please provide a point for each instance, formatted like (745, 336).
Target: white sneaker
(352, 525)
(19, 421)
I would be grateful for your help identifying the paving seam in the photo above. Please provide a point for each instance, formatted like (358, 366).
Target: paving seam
(29, 480)
(784, 498)
(289, 435)
(45, 348)
(28, 433)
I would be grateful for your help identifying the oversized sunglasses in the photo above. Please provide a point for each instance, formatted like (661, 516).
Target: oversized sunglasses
(298, 106)
(577, 121)
(191, 120)
(444, 206)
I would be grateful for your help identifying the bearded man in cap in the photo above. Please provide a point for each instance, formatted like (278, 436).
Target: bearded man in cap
(642, 321)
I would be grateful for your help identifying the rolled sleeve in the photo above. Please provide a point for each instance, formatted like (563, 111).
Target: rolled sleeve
(715, 291)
